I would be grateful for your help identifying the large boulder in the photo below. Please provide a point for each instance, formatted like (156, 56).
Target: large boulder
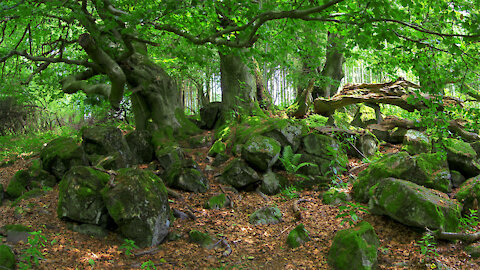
(33, 177)
(354, 248)
(140, 144)
(60, 155)
(425, 169)
(287, 133)
(416, 142)
(138, 203)
(462, 157)
(323, 151)
(186, 176)
(18, 184)
(169, 155)
(239, 175)
(106, 141)
(273, 183)
(80, 198)
(414, 205)
(261, 152)
(469, 194)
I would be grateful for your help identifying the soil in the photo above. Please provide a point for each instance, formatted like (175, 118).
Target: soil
(253, 247)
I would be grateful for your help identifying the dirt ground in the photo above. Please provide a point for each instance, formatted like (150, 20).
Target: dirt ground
(253, 247)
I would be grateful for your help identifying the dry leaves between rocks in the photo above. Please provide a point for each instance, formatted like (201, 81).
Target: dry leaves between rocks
(253, 247)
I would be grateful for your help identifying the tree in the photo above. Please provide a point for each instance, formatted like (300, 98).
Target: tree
(108, 44)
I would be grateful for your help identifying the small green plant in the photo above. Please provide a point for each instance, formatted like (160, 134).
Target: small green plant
(91, 262)
(337, 165)
(31, 255)
(428, 247)
(149, 265)
(470, 221)
(289, 192)
(127, 246)
(348, 213)
(291, 161)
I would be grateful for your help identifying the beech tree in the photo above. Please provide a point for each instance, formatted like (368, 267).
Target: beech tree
(109, 44)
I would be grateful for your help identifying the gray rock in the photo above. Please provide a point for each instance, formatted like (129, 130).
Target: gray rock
(272, 183)
(457, 179)
(261, 152)
(414, 205)
(462, 158)
(89, 229)
(212, 115)
(397, 135)
(79, 196)
(138, 203)
(239, 175)
(60, 155)
(287, 133)
(106, 140)
(140, 144)
(416, 142)
(188, 179)
(266, 215)
(169, 155)
(354, 248)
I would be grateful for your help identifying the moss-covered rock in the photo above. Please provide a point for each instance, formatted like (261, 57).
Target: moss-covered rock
(212, 115)
(138, 203)
(462, 157)
(140, 144)
(468, 193)
(425, 169)
(286, 133)
(218, 201)
(169, 154)
(397, 165)
(33, 193)
(416, 142)
(354, 248)
(18, 184)
(203, 239)
(7, 258)
(414, 205)
(457, 179)
(473, 250)
(79, 196)
(266, 215)
(60, 155)
(218, 147)
(261, 152)
(298, 236)
(334, 196)
(239, 175)
(187, 178)
(272, 183)
(107, 140)
(89, 229)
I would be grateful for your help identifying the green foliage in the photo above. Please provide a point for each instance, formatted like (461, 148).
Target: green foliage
(469, 222)
(149, 265)
(289, 193)
(337, 165)
(291, 161)
(349, 213)
(428, 247)
(32, 254)
(128, 246)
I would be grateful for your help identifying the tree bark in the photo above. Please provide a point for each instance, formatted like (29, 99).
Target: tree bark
(237, 82)
(332, 71)
(263, 96)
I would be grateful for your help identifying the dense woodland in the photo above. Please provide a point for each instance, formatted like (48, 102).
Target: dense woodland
(265, 134)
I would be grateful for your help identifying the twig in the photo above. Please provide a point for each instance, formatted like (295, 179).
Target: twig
(175, 194)
(150, 251)
(285, 229)
(262, 195)
(358, 167)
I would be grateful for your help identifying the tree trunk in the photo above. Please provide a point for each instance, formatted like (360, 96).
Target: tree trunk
(333, 68)
(237, 82)
(263, 96)
(155, 94)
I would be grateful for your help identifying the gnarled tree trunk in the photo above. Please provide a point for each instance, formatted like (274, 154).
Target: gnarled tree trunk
(333, 69)
(237, 82)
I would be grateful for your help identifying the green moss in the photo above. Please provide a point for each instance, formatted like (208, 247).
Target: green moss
(459, 147)
(298, 236)
(36, 192)
(216, 202)
(17, 228)
(7, 258)
(200, 238)
(217, 148)
(18, 184)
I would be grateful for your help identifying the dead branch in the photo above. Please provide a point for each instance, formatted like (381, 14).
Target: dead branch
(265, 197)
(452, 236)
(223, 243)
(146, 252)
(296, 209)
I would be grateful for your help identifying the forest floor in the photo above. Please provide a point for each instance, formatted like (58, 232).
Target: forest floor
(253, 247)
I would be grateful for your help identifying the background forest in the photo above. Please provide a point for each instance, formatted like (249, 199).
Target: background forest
(322, 112)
